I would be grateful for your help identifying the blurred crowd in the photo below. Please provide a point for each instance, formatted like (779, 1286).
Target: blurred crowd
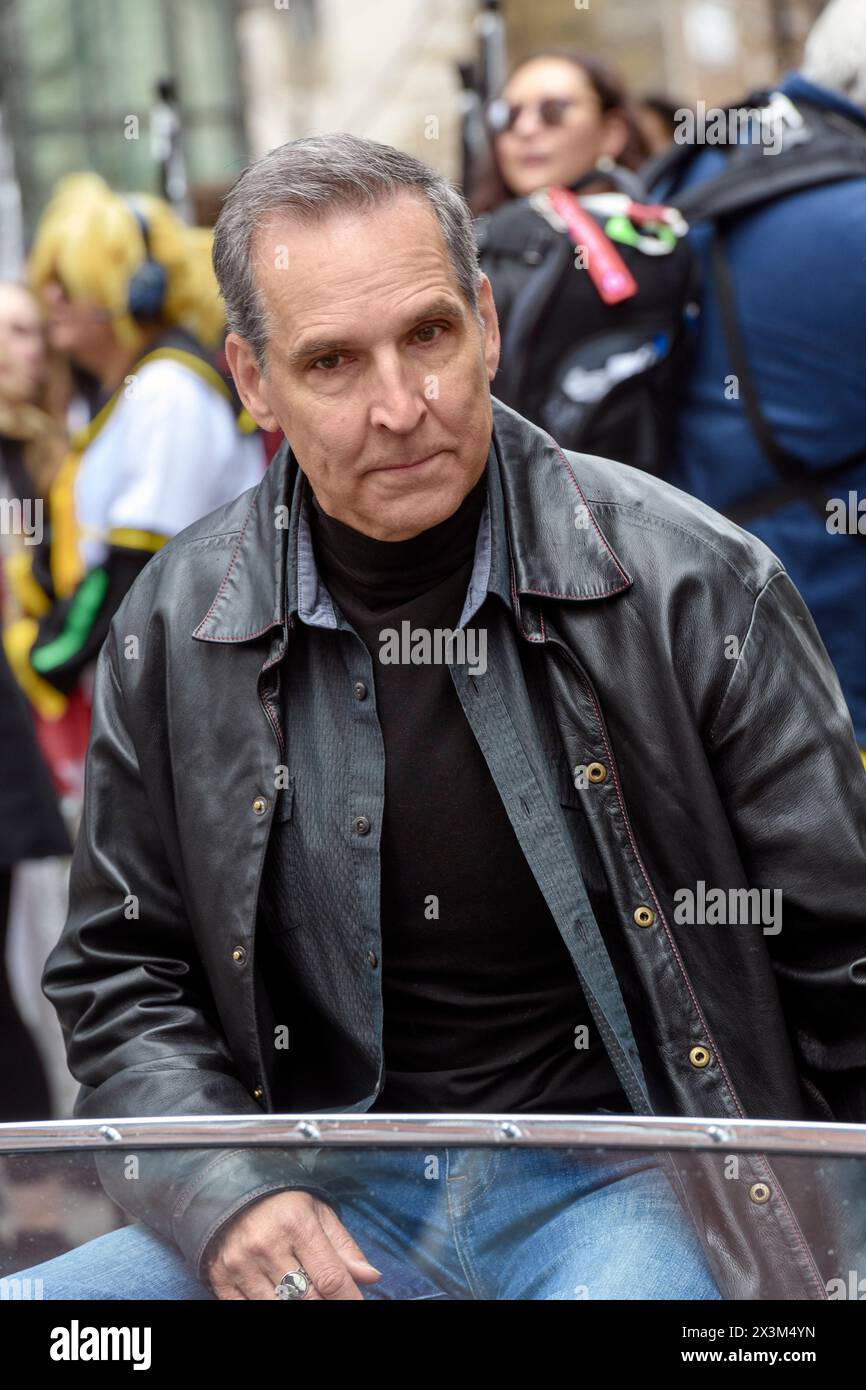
(694, 307)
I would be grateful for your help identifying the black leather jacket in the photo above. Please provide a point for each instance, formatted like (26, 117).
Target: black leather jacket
(681, 659)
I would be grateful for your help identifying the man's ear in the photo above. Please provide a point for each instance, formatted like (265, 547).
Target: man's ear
(252, 386)
(487, 310)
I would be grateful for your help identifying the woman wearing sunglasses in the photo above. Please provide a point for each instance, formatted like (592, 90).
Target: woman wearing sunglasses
(590, 282)
(556, 117)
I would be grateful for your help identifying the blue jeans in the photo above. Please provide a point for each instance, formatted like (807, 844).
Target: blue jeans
(494, 1223)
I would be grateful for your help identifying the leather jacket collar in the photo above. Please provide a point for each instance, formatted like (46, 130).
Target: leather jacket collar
(251, 598)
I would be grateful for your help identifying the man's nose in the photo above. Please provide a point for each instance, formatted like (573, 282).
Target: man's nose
(398, 401)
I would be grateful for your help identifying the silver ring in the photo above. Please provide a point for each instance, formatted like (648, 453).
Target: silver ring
(294, 1284)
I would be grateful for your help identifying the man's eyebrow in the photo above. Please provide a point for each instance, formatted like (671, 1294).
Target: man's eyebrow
(322, 347)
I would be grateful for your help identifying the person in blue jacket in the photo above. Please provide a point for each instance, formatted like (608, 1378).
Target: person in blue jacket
(798, 272)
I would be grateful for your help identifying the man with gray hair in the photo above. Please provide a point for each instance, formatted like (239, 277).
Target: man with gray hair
(312, 880)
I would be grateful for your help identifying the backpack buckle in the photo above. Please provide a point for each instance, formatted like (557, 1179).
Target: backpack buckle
(780, 108)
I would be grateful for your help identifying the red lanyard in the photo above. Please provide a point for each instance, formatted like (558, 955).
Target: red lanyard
(604, 265)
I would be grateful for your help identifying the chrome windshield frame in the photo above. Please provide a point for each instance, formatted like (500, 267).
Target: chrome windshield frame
(386, 1130)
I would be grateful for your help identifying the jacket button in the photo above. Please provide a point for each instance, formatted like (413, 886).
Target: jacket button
(699, 1056)
(260, 805)
(596, 772)
(359, 690)
(373, 958)
(258, 1093)
(644, 916)
(759, 1192)
(239, 955)
(361, 825)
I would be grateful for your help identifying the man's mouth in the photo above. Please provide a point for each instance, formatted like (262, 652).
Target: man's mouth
(405, 467)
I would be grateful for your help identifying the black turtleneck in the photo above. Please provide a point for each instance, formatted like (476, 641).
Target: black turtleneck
(480, 996)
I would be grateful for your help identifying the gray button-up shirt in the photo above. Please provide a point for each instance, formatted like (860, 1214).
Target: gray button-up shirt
(321, 882)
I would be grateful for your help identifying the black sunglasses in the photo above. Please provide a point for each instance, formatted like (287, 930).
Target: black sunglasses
(502, 114)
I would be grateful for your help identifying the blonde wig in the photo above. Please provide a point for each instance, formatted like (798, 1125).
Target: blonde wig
(89, 238)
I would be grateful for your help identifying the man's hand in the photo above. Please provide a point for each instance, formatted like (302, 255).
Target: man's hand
(279, 1233)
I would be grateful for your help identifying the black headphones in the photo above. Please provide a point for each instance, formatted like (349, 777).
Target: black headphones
(149, 283)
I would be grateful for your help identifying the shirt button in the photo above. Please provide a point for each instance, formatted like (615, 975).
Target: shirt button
(596, 772)
(644, 916)
(260, 805)
(359, 690)
(699, 1056)
(239, 955)
(361, 825)
(373, 958)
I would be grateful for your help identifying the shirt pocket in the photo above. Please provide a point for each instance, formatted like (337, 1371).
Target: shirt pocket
(281, 895)
(563, 779)
(573, 801)
(286, 801)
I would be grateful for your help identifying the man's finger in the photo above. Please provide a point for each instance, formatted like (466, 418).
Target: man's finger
(227, 1292)
(344, 1242)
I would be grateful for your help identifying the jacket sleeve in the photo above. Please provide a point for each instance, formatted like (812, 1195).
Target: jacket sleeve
(790, 773)
(140, 1027)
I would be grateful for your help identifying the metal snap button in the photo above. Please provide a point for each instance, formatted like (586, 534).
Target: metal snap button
(373, 958)
(359, 690)
(596, 772)
(239, 954)
(258, 1093)
(699, 1056)
(260, 805)
(759, 1192)
(361, 825)
(644, 916)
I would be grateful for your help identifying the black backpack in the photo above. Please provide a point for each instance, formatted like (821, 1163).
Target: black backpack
(817, 147)
(601, 378)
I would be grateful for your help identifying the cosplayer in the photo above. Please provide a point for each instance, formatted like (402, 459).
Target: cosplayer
(131, 298)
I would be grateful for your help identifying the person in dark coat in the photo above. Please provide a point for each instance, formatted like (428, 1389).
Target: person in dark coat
(31, 827)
